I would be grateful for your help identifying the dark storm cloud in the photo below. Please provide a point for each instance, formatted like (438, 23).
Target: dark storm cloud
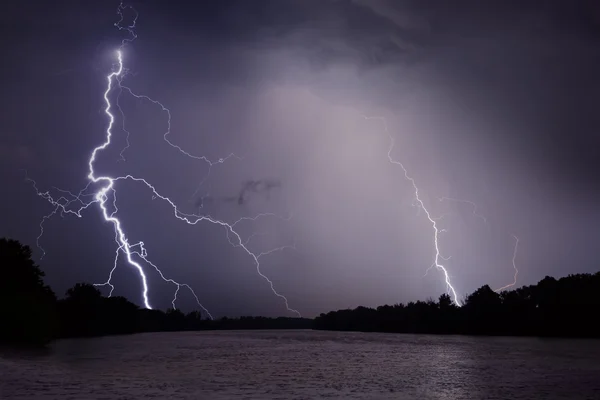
(535, 62)
(249, 188)
(493, 102)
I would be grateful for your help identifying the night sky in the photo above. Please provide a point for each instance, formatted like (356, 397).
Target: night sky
(493, 102)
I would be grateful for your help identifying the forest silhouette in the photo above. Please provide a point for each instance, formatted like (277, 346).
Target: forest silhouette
(31, 314)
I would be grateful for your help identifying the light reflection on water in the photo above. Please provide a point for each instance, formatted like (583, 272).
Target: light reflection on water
(303, 365)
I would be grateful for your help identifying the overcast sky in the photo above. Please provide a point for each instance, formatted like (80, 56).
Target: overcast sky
(493, 102)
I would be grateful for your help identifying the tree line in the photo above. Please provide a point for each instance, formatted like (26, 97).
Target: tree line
(562, 307)
(31, 313)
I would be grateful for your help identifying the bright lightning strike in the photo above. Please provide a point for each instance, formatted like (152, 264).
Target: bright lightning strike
(107, 191)
(436, 231)
(514, 266)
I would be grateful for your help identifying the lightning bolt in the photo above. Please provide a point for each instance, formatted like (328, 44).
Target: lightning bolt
(136, 253)
(514, 266)
(436, 231)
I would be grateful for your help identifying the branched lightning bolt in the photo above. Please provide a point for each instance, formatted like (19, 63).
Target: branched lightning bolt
(107, 191)
(61, 205)
(143, 254)
(436, 231)
(514, 266)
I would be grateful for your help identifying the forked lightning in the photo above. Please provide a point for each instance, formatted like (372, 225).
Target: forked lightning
(105, 196)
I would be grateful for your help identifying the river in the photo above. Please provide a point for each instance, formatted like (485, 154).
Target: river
(303, 365)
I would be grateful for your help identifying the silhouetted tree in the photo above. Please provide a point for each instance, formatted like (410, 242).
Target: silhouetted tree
(80, 311)
(445, 302)
(193, 320)
(27, 305)
(176, 320)
(482, 309)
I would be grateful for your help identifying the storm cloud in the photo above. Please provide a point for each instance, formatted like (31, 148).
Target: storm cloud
(490, 102)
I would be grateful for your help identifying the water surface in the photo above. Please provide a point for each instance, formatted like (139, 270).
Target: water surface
(303, 365)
